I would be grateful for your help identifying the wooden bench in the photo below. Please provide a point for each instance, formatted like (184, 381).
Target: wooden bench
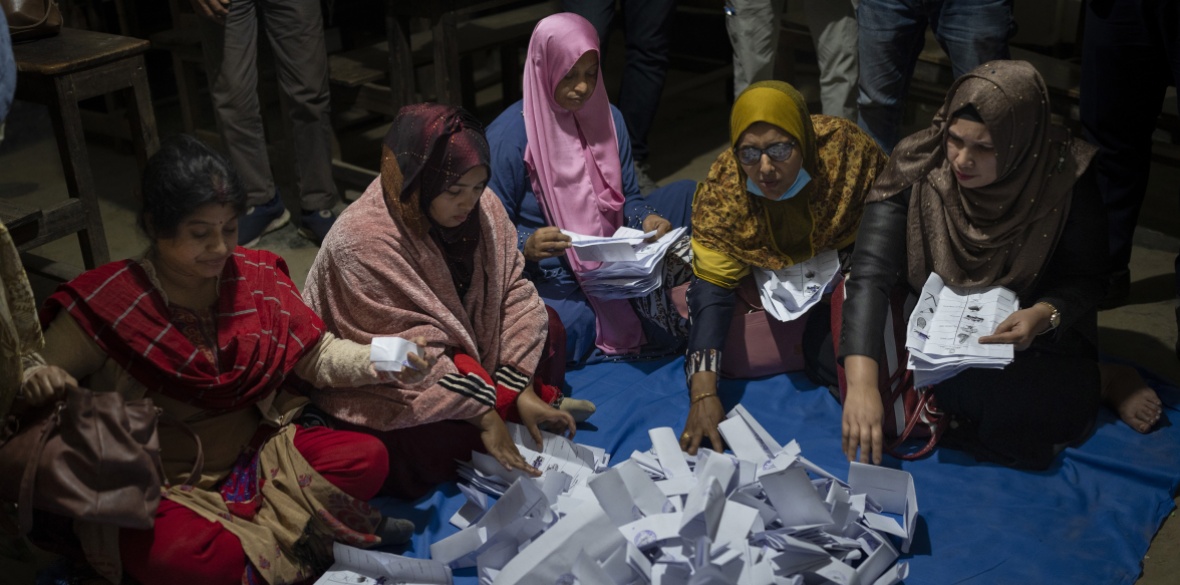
(59, 72)
(365, 68)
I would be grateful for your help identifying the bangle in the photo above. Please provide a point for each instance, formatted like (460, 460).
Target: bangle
(700, 397)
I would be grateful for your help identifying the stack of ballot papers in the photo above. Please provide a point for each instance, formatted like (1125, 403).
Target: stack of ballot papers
(945, 327)
(763, 515)
(630, 266)
(788, 293)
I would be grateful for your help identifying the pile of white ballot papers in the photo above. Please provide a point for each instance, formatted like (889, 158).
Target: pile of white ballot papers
(788, 293)
(630, 266)
(763, 515)
(945, 327)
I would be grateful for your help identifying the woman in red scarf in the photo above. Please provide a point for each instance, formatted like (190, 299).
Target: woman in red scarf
(210, 331)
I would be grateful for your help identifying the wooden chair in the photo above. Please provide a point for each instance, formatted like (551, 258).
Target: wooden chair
(59, 72)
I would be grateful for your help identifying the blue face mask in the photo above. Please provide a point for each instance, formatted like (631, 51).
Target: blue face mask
(801, 181)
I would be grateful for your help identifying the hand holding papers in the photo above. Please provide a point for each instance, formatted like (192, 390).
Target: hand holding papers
(790, 292)
(946, 325)
(391, 354)
(630, 266)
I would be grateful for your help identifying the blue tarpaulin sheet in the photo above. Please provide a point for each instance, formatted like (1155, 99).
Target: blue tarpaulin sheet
(1088, 519)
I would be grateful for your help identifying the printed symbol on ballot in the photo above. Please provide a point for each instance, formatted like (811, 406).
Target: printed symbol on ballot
(538, 461)
(921, 322)
(644, 538)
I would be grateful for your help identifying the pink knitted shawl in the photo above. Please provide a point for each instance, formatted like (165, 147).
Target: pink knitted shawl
(374, 276)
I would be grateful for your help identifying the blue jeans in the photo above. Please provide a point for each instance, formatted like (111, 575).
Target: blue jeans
(892, 34)
(645, 26)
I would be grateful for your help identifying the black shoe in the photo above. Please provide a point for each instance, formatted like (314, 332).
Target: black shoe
(1118, 291)
(395, 530)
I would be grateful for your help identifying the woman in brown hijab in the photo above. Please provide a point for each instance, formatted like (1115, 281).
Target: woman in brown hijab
(992, 194)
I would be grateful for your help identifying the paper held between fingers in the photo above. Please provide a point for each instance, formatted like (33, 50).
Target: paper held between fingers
(391, 354)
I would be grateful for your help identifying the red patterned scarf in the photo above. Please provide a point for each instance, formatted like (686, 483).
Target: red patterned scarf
(263, 328)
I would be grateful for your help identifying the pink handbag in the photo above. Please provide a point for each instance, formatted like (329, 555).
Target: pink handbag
(757, 344)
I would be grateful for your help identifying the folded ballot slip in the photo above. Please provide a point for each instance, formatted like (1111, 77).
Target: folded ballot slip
(391, 354)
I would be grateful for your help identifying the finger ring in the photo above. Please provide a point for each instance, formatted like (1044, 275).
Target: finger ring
(685, 436)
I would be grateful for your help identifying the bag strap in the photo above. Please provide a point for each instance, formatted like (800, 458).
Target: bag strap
(923, 407)
(29, 477)
(199, 461)
(50, 6)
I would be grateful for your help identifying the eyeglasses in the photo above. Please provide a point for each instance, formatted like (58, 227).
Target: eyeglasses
(778, 152)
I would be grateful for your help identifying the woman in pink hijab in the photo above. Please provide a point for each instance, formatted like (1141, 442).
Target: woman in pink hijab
(561, 160)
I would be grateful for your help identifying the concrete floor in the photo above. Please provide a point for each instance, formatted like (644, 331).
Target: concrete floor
(690, 130)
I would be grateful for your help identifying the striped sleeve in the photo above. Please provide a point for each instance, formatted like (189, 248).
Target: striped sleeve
(470, 386)
(511, 378)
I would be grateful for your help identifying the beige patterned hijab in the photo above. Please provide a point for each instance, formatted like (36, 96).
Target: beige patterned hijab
(20, 332)
(1004, 233)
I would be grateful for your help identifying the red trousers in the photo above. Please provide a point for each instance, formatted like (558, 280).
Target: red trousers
(185, 548)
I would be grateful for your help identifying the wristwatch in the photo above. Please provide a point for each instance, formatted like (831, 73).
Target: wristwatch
(1054, 317)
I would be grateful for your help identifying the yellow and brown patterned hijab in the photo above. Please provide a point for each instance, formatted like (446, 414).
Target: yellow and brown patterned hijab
(734, 230)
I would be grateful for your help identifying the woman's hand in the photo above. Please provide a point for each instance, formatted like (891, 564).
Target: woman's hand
(1021, 327)
(534, 413)
(861, 427)
(546, 242)
(498, 442)
(704, 414)
(215, 10)
(46, 383)
(657, 224)
(411, 374)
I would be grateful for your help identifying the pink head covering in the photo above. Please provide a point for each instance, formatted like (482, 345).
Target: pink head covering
(573, 159)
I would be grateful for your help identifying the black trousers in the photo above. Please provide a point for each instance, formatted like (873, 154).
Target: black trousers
(1019, 416)
(1130, 55)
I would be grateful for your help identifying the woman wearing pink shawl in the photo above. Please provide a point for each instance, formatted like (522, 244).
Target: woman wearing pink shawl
(426, 254)
(561, 160)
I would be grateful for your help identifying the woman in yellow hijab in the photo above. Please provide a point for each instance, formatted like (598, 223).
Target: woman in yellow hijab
(792, 187)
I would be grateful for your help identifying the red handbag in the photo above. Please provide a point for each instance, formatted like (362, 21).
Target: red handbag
(757, 344)
(910, 413)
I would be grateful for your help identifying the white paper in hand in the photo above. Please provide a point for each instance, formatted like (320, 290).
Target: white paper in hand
(391, 354)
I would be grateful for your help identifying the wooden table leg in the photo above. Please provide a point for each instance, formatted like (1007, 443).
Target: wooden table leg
(75, 162)
(401, 63)
(446, 61)
(141, 115)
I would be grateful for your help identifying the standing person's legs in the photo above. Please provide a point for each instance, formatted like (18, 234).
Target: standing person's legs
(600, 13)
(890, 38)
(1119, 106)
(296, 32)
(833, 26)
(753, 27)
(647, 27)
(231, 62)
(1167, 17)
(973, 32)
